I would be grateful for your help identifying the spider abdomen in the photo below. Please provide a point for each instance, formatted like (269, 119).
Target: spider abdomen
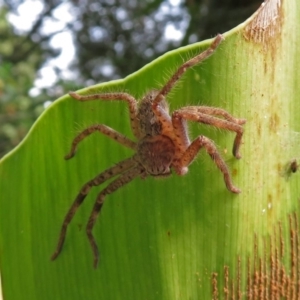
(155, 154)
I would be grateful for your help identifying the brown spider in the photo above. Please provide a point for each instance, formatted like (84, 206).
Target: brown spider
(162, 143)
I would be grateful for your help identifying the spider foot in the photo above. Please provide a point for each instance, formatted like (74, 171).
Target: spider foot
(94, 247)
(60, 244)
(236, 154)
(241, 121)
(229, 183)
(74, 95)
(96, 261)
(234, 189)
(56, 252)
(217, 41)
(236, 146)
(69, 155)
(54, 255)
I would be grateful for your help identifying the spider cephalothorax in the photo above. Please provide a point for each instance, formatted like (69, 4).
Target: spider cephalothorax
(162, 143)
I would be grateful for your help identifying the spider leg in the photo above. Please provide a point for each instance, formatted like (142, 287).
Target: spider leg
(208, 110)
(111, 133)
(180, 135)
(119, 168)
(196, 115)
(191, 152)
(131, 101)
(125, 178)
(182, 69)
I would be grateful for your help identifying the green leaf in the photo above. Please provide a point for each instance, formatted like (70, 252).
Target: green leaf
(169, 238)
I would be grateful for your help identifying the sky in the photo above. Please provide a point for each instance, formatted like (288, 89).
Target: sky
(29, 11)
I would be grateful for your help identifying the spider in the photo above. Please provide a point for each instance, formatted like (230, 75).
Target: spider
(162, 144)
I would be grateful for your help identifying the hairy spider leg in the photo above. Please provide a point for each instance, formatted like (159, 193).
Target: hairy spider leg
(181, 136)
(165, 120)
(131, 101)
(182, 69)
(125, 178)
(211, 149)
(196, 115)
(208, 110)
(106, 130)
(180, 130)
(109, 173)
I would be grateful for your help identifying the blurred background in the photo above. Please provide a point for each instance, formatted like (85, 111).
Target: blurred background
(48, 48)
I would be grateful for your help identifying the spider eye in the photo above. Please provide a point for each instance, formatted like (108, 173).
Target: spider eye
(158, 165)
(159, 170)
